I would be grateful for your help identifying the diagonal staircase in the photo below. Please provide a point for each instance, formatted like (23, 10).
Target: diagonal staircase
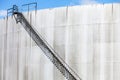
(44, 46)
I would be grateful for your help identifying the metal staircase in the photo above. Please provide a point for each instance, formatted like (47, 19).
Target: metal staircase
(51, 54)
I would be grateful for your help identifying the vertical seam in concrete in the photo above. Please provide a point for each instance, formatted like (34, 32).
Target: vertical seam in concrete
(5, 52)
(18, 56)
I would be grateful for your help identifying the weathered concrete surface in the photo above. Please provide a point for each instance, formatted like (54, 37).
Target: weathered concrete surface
(86, 37)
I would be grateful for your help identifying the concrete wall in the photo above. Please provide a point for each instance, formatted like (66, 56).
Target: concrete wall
(86, 37)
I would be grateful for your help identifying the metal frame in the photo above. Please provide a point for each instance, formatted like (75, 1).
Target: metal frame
(15, 8)
(12, 10)
(29, 4)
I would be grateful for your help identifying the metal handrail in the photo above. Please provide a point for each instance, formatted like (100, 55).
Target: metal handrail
(29, 4)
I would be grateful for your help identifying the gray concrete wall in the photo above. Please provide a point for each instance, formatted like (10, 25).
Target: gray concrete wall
(86, 37)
